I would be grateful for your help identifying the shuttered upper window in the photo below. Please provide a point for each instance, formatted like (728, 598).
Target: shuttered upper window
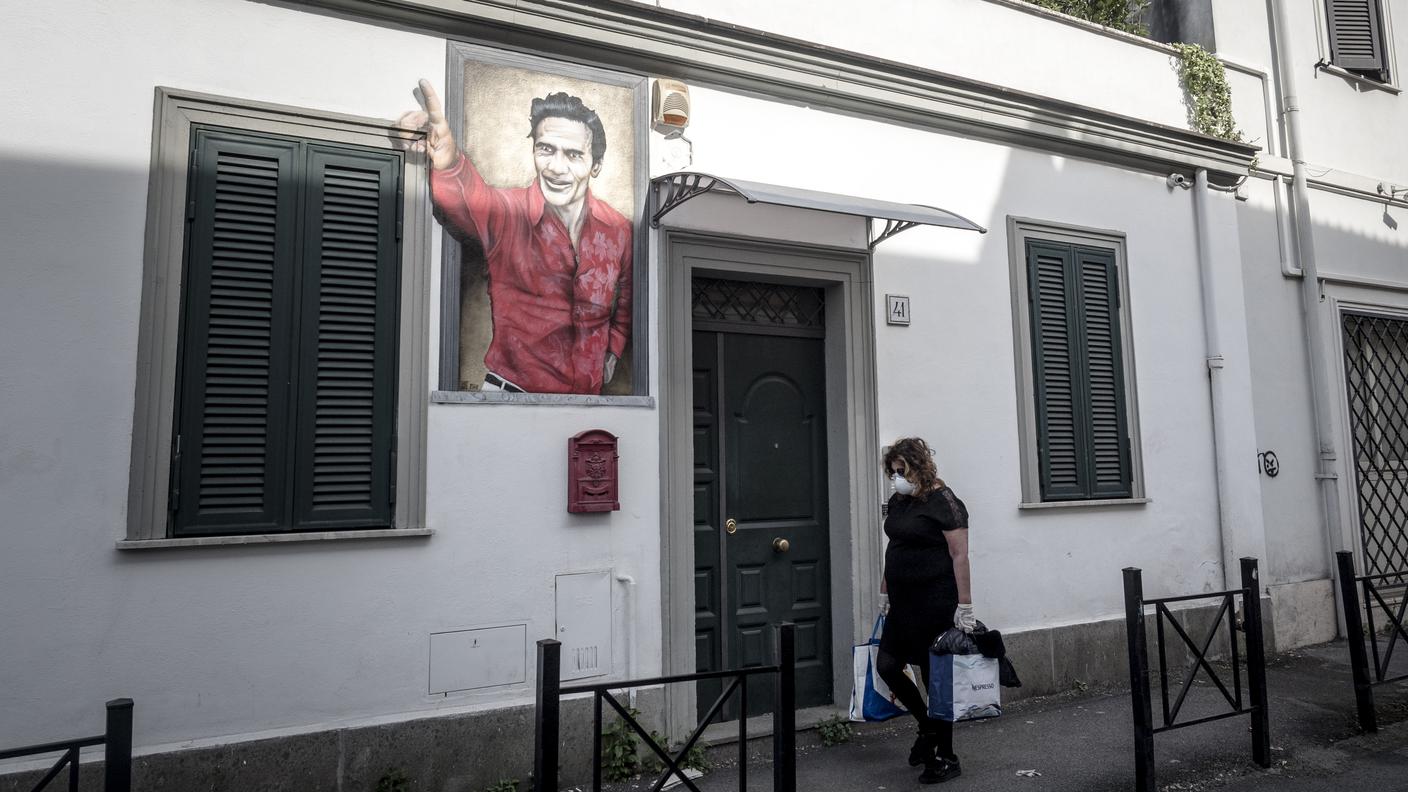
(1081, 426)
(1075, 374)
(285, 411)
(1357, 37)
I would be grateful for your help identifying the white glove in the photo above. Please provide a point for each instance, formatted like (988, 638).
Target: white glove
(964, 619)
(884, 604)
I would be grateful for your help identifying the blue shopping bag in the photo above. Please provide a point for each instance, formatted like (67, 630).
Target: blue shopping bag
(871, 699)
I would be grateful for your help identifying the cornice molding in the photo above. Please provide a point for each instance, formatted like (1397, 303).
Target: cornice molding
(641, 38)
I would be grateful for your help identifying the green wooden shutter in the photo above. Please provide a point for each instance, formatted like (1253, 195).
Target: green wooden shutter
(1107, 433)
(1055, 345)
(1078, 371)
(347, 359)
(233, 403)
(1356, 35)
(286, 403)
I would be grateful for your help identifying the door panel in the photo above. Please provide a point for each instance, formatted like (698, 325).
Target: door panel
(708, 526)
(760, 453)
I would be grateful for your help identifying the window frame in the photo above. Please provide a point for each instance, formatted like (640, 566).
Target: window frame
(458, 55)
(176, 114)
(1019, 231)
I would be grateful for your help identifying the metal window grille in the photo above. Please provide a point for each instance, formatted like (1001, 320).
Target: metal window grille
(1376, 383)
(781, 306)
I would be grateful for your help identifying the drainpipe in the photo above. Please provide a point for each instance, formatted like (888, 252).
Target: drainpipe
(1326, 474)
(1213, 335)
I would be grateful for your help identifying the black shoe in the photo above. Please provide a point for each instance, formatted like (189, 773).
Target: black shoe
(940, 770)
(923, 751)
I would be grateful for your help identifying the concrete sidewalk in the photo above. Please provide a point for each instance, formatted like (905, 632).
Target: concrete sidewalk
(1082, 740)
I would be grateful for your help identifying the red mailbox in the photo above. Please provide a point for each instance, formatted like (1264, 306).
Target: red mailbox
(591, 472)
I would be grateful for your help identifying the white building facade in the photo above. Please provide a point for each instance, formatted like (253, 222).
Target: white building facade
(1327, 347)
(403, 635)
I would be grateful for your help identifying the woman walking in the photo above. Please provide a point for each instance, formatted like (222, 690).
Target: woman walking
(925, 590)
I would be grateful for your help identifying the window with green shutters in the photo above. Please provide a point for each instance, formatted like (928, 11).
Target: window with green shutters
(285, 411)
(1357, 37)
(1082, 421)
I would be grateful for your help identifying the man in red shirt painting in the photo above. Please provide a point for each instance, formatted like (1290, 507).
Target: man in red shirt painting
(559, 259)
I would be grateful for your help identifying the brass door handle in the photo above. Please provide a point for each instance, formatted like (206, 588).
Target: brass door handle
(731, 526)
(780, 545)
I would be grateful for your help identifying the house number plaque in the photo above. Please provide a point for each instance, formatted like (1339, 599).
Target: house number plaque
(897, 309)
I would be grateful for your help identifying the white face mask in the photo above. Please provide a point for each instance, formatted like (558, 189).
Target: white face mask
(901, 484)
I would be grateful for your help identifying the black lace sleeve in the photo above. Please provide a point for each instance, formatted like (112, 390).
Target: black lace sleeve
(949, 510)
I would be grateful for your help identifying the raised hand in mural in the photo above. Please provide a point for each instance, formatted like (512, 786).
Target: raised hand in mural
(439, 144)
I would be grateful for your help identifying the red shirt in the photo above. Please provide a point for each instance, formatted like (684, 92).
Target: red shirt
(556, 312)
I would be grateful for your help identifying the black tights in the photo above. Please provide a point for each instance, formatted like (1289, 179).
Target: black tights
(891, 669)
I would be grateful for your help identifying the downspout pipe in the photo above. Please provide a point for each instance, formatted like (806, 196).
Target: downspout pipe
(1213, 336)
(1326, 471)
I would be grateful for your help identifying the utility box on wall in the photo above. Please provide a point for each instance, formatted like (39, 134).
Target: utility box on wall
(591, 472)
(584, 623)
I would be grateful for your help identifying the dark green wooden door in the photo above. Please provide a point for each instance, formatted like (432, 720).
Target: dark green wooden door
(760, 462)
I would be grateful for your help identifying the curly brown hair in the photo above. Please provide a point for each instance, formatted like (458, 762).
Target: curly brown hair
(918, 460)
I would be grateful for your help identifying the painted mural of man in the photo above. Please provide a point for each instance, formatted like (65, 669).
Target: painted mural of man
(559, 259)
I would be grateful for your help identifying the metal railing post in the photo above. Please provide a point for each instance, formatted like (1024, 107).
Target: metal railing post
(784, 715)
(1354, 634)
(1256, 662)
(117, 747)
(546, 725)
(596, 742)
(742, 734)
(1139, 681)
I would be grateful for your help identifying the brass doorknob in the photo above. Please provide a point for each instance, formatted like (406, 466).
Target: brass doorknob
(731, 525)
(780, 545)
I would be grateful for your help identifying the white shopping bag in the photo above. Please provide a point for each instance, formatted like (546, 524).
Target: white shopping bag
(871, 697)
(963, 687)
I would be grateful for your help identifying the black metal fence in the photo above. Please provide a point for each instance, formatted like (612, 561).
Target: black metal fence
(117, 752)
(1255, 662)
(1356, 612)
(784, 735)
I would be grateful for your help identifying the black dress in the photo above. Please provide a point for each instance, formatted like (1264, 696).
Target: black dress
(919, 572)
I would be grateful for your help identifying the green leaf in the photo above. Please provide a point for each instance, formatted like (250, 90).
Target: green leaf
(1206, 93)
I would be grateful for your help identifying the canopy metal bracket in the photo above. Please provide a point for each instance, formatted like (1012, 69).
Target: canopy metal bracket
(680, 187)
(892, 227)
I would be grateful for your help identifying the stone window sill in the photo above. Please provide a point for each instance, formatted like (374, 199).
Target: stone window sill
(1085, 504)
(280, 538)
(573, 399)
(1360, 81)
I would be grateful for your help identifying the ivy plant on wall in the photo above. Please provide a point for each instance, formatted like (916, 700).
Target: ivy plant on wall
(1126, 15)
(1206, 92)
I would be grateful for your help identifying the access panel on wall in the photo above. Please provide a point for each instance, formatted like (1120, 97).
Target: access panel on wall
(536, 176)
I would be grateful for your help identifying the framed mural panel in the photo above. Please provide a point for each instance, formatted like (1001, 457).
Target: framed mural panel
(538, 175)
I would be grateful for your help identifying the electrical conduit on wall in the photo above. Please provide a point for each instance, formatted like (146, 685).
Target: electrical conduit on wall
(628, 613)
